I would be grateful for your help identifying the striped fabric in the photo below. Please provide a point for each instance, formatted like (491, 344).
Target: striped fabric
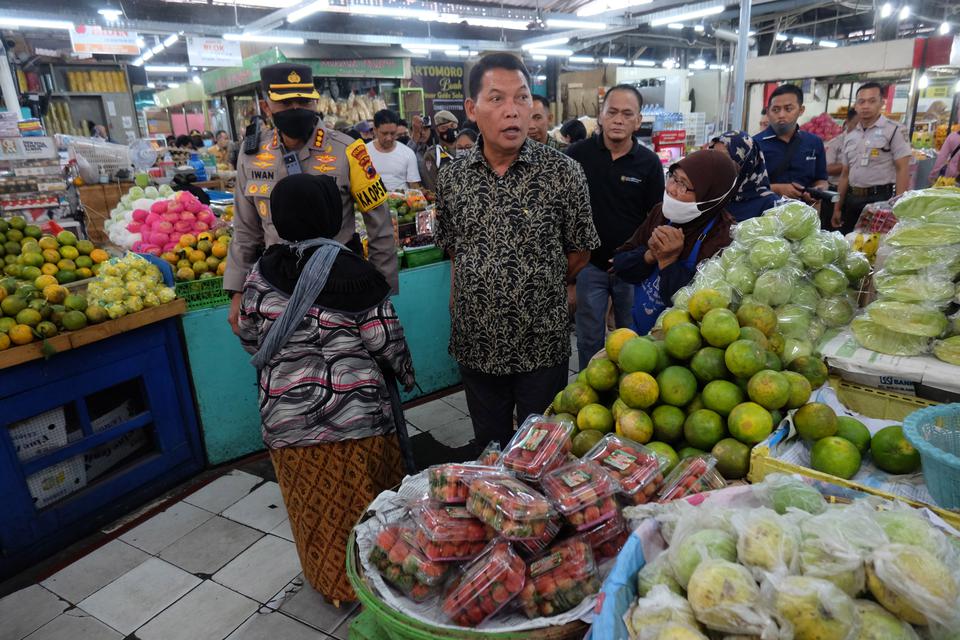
(325, 384)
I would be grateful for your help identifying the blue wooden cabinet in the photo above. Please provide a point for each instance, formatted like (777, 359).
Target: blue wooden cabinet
(90, 434)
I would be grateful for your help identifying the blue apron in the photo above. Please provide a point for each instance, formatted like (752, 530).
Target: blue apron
(647, 304)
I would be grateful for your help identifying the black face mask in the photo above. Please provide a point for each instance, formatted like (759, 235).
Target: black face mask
(403, 140)
(296, 123)
(449, 136)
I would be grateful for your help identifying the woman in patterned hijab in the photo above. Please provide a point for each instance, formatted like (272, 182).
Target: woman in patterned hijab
(754, 196)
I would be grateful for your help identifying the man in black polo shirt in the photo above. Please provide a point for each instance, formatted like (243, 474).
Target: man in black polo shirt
(626, 181)
(795, 159)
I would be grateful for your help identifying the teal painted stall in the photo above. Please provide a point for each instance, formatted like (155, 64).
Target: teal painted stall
(225, 383)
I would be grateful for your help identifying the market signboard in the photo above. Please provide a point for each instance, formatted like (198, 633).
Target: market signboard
(227, 78)
(89, 38)
(360, 68)
(442, 85)
(33, 148)
(213, 52)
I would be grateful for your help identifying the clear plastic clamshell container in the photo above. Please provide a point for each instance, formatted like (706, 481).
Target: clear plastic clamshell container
(691, 476)
(449, 532)
(637, 469)
(540, 444)
(448, 482)
(560, 580)
(485, 585)
(583, 492)
(401, 564)
(513, 509)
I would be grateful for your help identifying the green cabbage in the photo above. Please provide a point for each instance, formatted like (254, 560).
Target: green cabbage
(920, 234)
(878, 338)
(794, 348)
(915, 319)
(769, 253)
(734, 253)
(799, 220)
(836, 311)
(935, 289)
(816, 330)
(805, 294)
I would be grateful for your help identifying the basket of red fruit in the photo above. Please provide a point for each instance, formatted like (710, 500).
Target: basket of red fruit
(448, 482)
(607, 538)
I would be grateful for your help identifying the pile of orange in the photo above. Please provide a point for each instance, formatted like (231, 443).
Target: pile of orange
(200, 257)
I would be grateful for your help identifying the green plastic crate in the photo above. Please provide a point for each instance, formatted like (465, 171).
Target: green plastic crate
(203, 294)
(421, 256)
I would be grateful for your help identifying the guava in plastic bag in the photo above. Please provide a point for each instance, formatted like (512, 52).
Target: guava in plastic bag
(769, 253)
(922, 234)
(913, 259)
(659, 606)
(820, 249)
(657, 572)
(669, 631)
(816, 330)
(876, 337)
(725, 597)
(856, 266)
(834, 544)
(913, 584)
(688, 551)
(879, 624)
(948, 350)
(766, 542)
(932, 288)
(794, 348)
(836, 311)
(741, 276)
(782, 492)
(793, 321)
(799, 220)
(734, 252)
(752, 229)
(903, 525)
(774, 287)
(682, 297)
(814, 608)
(805, 294)
(830, 281)
(905, 317)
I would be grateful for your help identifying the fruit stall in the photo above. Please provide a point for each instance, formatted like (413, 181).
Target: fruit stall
(98, 415)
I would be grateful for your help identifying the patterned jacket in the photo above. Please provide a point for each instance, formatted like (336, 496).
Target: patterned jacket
(325, 384)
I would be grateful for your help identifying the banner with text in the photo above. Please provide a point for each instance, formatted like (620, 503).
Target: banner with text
(88, 38)
(213, 52)
(442, 85)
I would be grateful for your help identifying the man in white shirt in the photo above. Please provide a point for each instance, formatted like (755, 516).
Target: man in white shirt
(396, 163)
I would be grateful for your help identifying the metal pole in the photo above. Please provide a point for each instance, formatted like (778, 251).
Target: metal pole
(740, 70)
(8, 86)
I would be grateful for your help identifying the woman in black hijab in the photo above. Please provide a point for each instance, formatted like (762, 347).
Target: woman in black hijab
(317, 318)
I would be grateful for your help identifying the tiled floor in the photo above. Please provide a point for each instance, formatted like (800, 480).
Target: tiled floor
(218, 565)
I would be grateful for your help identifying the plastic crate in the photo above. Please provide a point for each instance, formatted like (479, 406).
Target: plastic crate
(421, 256)
(203, 294)
(41, 433)
(57, 482)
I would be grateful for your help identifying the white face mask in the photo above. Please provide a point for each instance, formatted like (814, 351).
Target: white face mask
(680, 212)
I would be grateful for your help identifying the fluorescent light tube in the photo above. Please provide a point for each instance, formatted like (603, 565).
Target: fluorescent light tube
(581, 59)
(613, 60)
(560, 23)
(165, 68)
(687, 15)
(262, 37)
(553, 42)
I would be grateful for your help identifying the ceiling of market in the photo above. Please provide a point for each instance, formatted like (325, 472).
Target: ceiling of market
(642, 32)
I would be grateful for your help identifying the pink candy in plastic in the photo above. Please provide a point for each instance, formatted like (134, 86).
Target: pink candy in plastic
(164, 227)
(175, 208)
(183, 226)
(160, 206)
(171, 216)
(134, 227)
(140, 215)
(206, 217)
(153, 218)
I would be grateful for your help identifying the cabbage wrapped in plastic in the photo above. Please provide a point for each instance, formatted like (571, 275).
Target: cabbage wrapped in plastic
(752, 229)
(917, 205)
(948, 350)
(811, 608)
(830, 281)
(943, 216)
(933, 288)
(724, 597)
(774, 287)
(856, 266)
(799, 220)
(741, 276)
(657, 572)
(769, 253)
(805, 294)
(659, 606)
(913, 584)
(782, 492)
(904, 317)
(822, 248)
(836, 311)
(913, 259)
(766, 542)
(876, 337)
(922, 234)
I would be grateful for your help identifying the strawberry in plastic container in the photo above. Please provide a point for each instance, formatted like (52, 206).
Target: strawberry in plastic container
(513, 509)
(490, 455)
(637, 469)
(448, 482)
(583, 492)
(447, 532)
(402, 565)
(607, 539)
(560, 580)
(533, 546)
(540, 444)
(691, 476)
(485, 585)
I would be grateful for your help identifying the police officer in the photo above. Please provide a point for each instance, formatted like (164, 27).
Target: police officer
(300, 143)
(876, 160)
(795, 159)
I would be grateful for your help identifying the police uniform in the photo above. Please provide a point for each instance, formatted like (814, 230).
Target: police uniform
(263, 162)
(869, 155)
